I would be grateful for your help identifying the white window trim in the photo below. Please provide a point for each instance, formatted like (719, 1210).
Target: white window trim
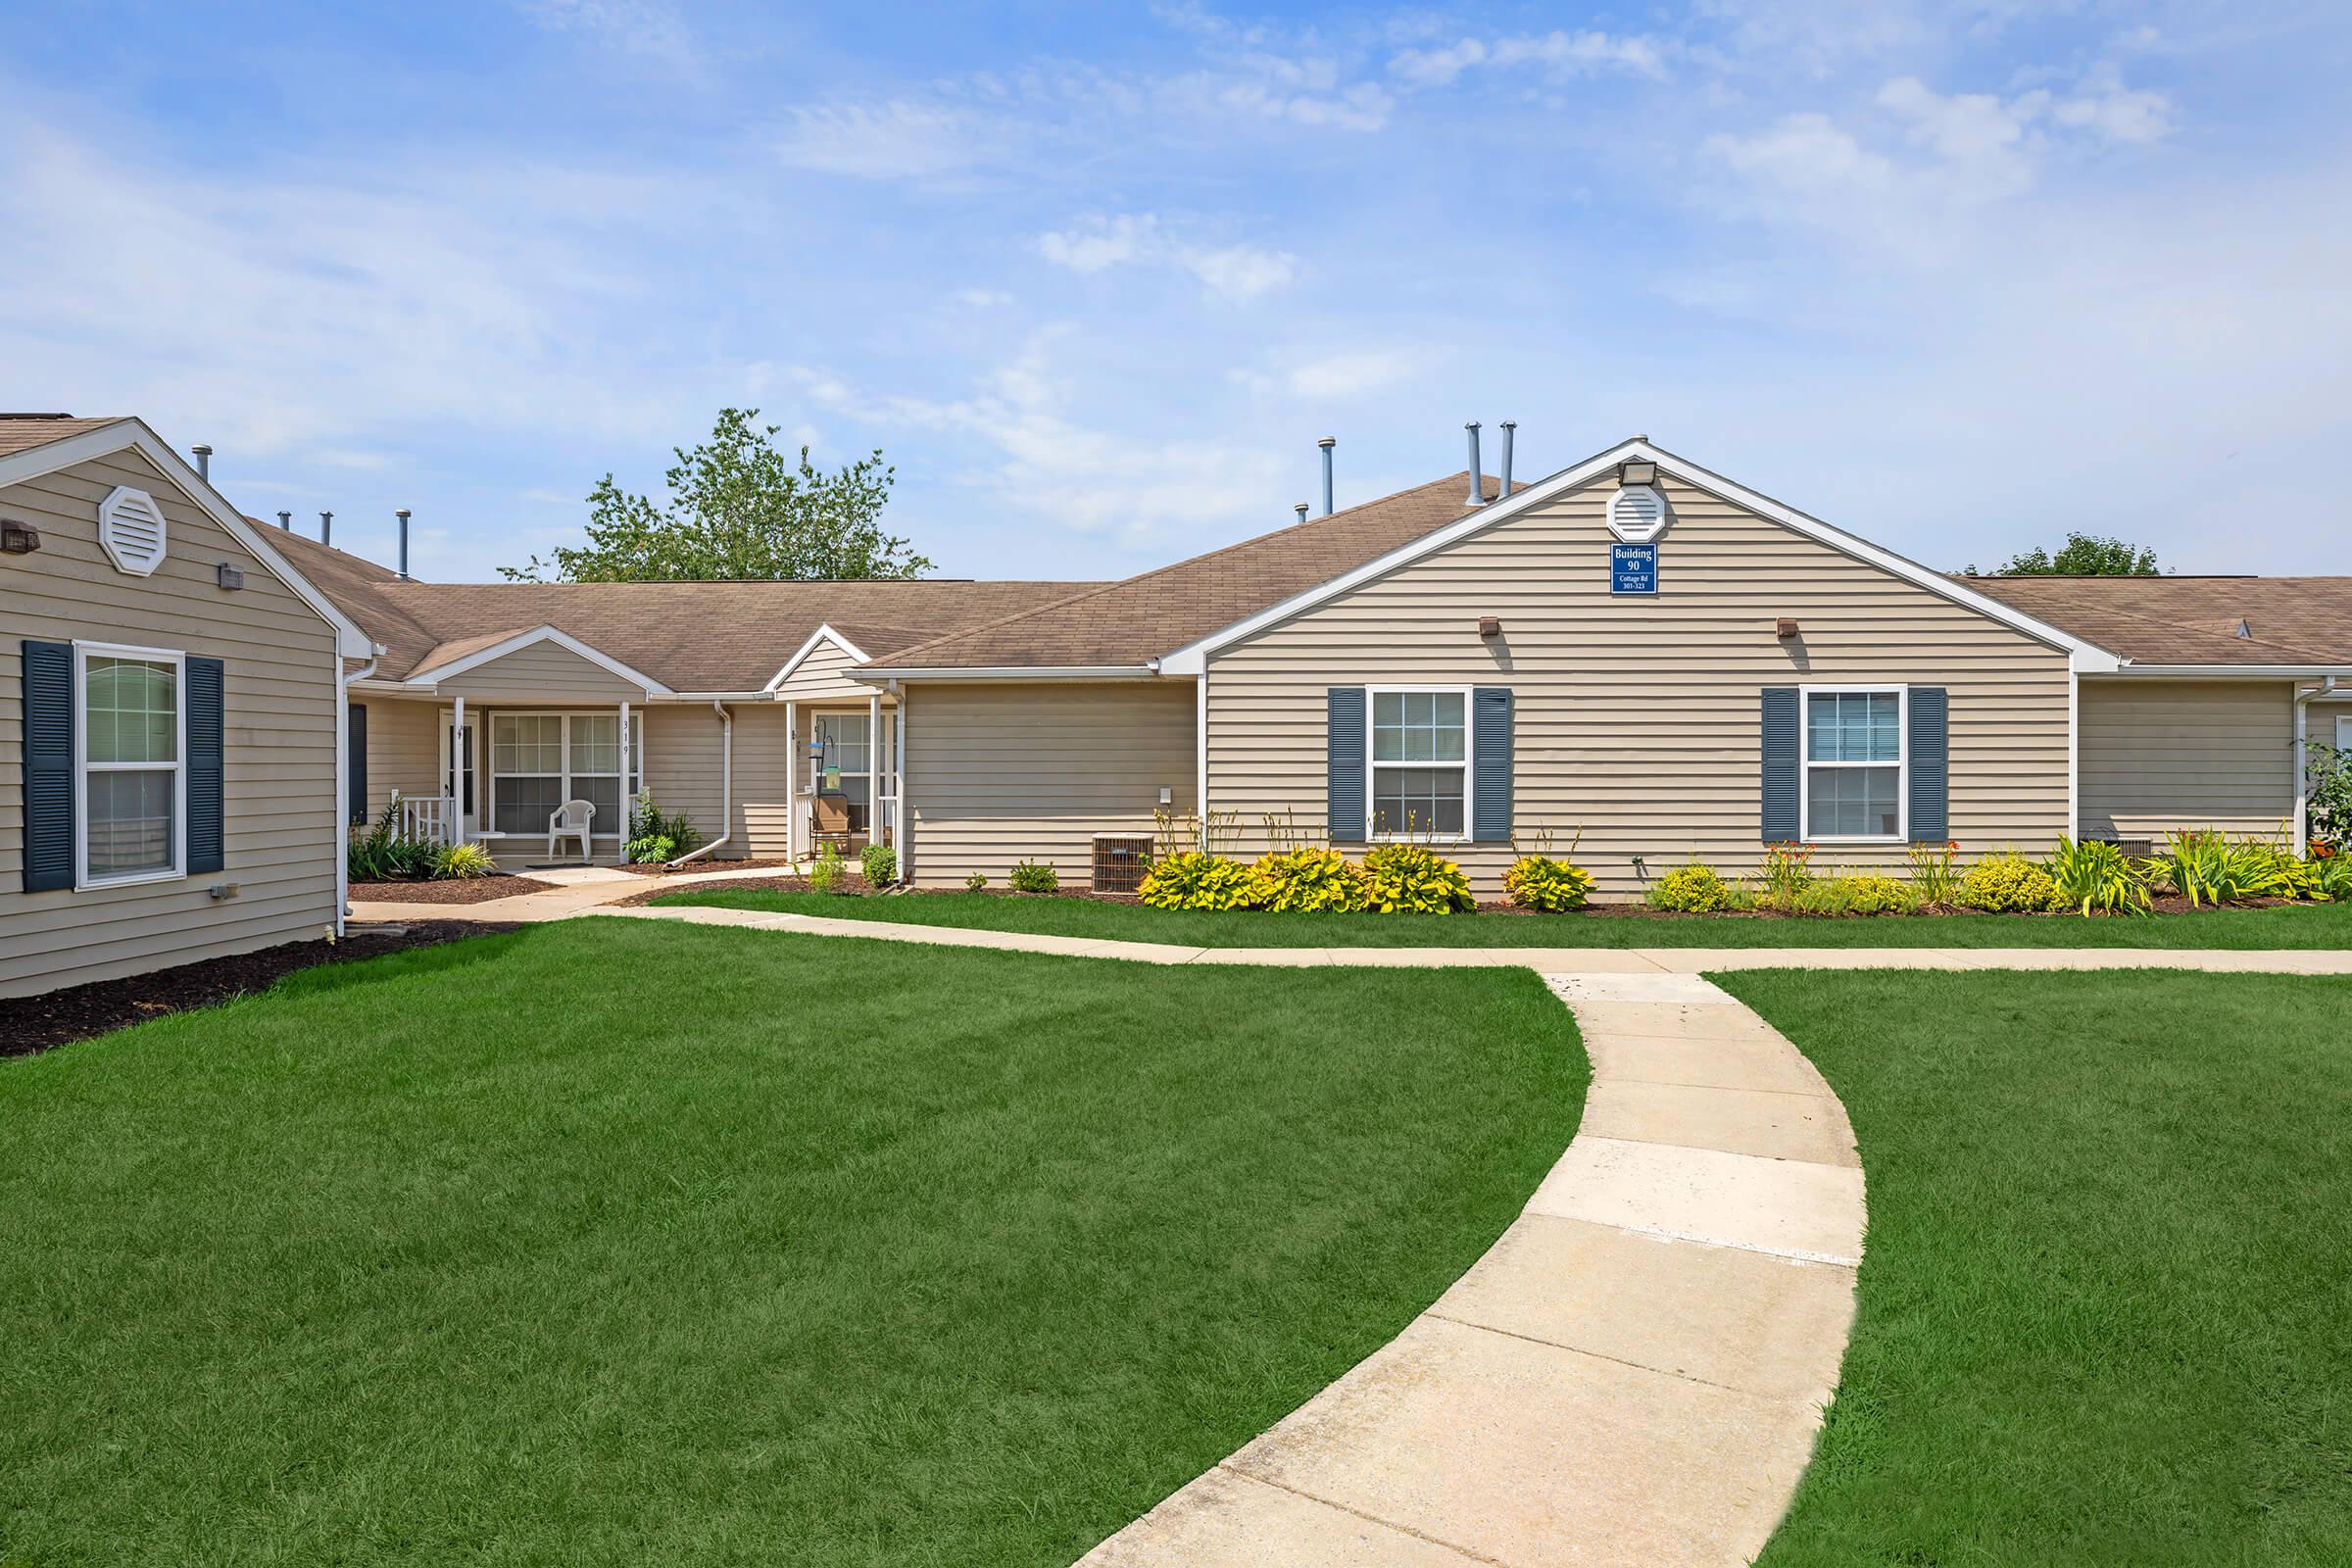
(1902, 763)
(1372, 696)
(83, 881)
(488, 781)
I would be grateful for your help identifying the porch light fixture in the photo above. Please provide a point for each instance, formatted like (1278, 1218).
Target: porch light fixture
(19, 538)
(229, 575)
(1633, 472)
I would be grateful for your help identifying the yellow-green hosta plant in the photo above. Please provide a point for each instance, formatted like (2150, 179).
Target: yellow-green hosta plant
(1196, 881)
(2097, 878)
(1307, 881)
(2008, 883)
(1547, 882)
(1412, 879)
(1693, 889)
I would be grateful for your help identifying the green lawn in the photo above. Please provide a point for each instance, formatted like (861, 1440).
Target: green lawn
(2324, 925)
(623, 1243)
(2105, 1298)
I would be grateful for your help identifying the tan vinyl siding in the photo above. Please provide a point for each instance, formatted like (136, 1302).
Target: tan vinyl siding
(1637, 720)
(404, 750)
(1029, 770)
(281, 819)
(821, 677)
(545, 672)
(2165, 755)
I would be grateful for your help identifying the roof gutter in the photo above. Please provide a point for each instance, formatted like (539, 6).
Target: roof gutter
(877, 677)
(2327, 672)
(2303, 701)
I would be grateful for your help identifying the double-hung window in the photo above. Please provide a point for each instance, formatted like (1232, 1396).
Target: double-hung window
(1858, 761)
(540, 761)
(132, 750)
(1420, 762)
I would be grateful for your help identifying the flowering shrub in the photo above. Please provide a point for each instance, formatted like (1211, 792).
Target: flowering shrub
(1693, 889)
(1410, 879)
(1548, 883)
(1935, 874)
(2008, 883)
(1196, 881)
(1856, 895)
(1307, 881)
(1785, 873)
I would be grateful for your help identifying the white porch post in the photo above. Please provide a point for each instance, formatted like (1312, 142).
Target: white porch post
(898, 764)
(874, 769)
(627, 801)
(792, 783)
(455, 833)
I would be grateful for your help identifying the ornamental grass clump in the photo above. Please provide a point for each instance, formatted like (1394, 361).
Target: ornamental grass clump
(1935, 874)
(2007, 883)
(1693, 889)
(1307, 881)
(1412, 879)
(2097, 877)
(2204, 866)
(1551, 883)
(1192, 880)
(1785, 875)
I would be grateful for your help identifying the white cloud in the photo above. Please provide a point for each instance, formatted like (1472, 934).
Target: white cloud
(1242, 272)
(1233, 273)
(1331, 377)
(1560, 53)
(641, 28)
(1804, 152)
(1102, 242)
(2104, 106)
(1438, 67)
(983, 299)
(898, 139)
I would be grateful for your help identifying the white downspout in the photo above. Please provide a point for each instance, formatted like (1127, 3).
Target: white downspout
(898, 763)
(1200, 751)
(343, 785)
(2303, 700)
(873, 767)
(792, 783)
(726, 784)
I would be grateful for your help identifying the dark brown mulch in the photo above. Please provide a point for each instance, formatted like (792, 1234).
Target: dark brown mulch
(693, 867)
(850, 883)
(448, 890)
(30, 1024)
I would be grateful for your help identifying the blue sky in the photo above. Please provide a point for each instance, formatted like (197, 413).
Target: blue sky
(1958, 277)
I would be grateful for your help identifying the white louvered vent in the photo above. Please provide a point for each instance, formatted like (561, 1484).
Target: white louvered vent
(130, 529)
(1637, 514)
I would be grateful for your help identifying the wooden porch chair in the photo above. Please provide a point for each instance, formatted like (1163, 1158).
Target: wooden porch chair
(572, 819)
(830, 811)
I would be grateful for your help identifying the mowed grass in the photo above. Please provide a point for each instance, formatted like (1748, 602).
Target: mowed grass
(627, 1243)
(2103, 1304)
(2322, 925)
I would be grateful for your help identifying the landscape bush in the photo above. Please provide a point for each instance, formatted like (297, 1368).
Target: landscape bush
(2095, 877)
(2007, 883)
(1191, 880)
(462, 861)
(1551, 883)
(1034, 876)
(830, 873)
(1785, 876)
(1693, 889)
(976, 882)
(1868, 894)
(880, 863)
(1306, 881)
(1935, 874)
(651, 829)
(381, 854)
(2205, 867)
(1413, 879)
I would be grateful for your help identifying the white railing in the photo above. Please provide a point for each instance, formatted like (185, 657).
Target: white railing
(432, 819)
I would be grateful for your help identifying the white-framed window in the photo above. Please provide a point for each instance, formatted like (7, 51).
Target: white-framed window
(130, 775)
(1417, 761)
(1857, 762)
(540, 761)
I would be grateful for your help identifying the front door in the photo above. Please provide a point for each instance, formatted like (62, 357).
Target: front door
(461, 757)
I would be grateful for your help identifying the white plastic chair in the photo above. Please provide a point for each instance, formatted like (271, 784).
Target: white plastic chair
(572, 816)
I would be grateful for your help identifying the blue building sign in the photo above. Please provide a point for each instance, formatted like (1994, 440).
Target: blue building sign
(1634, 568)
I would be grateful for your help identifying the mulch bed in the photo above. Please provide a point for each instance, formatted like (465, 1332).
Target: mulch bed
(695, 867)
(30, 1024)
(850, 882)
(448, 890)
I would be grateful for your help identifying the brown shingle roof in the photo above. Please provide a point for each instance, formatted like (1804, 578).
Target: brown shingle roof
(2193, 621)
(21, 432)
(1128, 623)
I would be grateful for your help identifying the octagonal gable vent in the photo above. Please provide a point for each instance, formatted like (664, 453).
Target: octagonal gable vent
(1637, 514)
(130, 529)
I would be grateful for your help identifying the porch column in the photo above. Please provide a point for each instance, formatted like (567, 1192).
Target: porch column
(454, 829)
(627, 801)
(874, 768)
(898, 763)
(792, 783)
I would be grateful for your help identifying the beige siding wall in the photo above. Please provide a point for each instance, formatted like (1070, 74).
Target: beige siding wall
(281, 818)
(2165, 755)
(547, 674)
(404, 748)
(1024, 770)
(1637, 720)
(822, 676)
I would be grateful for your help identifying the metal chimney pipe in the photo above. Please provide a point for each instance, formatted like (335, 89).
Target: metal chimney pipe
(403, 516)
(1508, 425)
(285, 520)
(326, 527)
(1478, 480)
(204, 462)
(1327, 443)
(1301, 509)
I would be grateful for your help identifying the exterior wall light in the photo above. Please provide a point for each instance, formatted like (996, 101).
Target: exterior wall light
(231, 575)
(19, 538)
(1490, 625)
(1632, 472)
(1784, 628)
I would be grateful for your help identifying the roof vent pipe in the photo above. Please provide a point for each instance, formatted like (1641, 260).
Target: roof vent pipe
(1327, 443)
(326, 527)
(285, 520)
(1301, 509)
(1508, 425)
(204, 462)
(403, 516)
(1478, 481)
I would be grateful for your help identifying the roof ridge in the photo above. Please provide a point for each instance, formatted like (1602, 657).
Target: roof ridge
(1192, 561)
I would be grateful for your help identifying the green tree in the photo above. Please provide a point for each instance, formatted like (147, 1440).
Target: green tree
(739, 509)
(2083, 554)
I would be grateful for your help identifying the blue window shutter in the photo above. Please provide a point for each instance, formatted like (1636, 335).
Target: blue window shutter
(48, 765)
(355, 762)
(1783, 770)
(204, 699)
(1491, 753)
(1344, 731)
(1931, 765)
